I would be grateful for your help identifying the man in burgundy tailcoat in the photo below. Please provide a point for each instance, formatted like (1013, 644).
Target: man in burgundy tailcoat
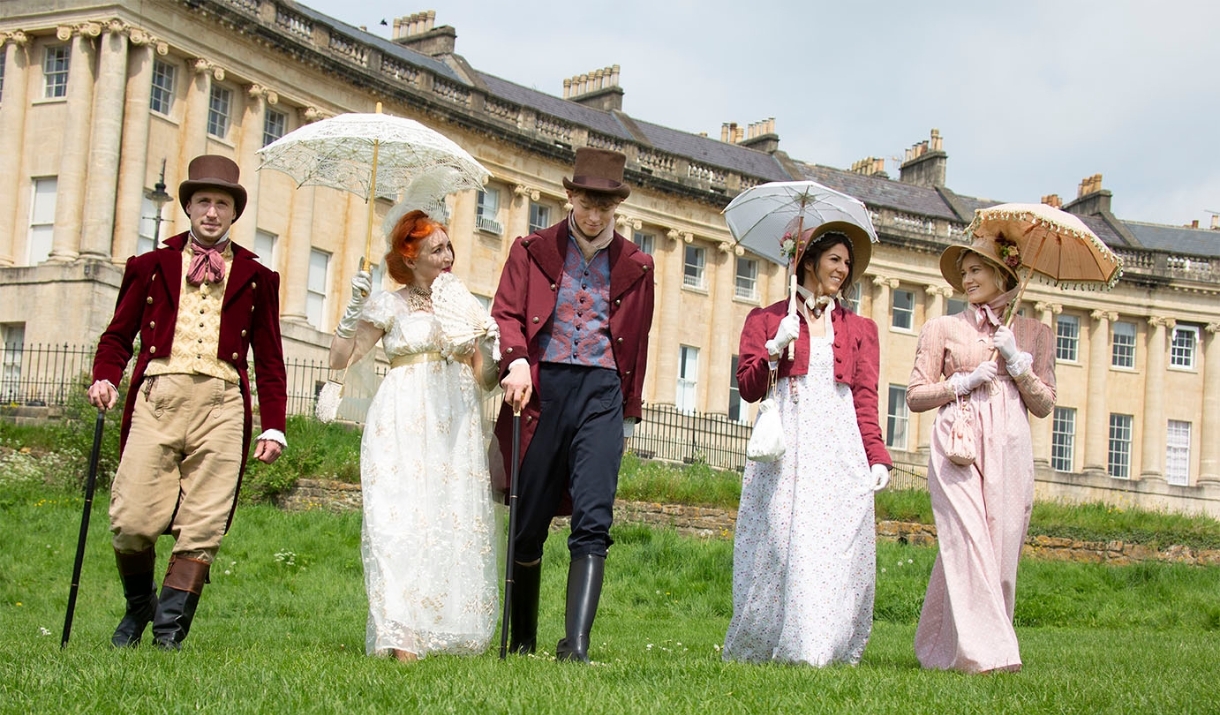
(574, 308)
(198, 305)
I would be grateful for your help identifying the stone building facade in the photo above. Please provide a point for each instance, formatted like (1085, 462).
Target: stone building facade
(99, 102)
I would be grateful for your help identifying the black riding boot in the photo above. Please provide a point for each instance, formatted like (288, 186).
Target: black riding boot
(179, 597)
(526, 583)
(136, 570)
(584, 589)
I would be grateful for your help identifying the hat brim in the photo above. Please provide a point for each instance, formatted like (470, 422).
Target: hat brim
(861, 245)
(599, 186)
(188, 188)
(951, 255)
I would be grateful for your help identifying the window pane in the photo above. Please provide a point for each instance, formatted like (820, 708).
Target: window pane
(1182, 351)
(735, 410)
(264, 247)
(1177, 453)
(1120, 446)
(218, 112)
(643, 241)
(688, 376)
(275, 124)
(540, 217)
(162, 99)
(55, 72)
(896, 418)
(42, 220)
(1067, 337)
(486, 206)
(1123, 351)
(693, 270)
(747, 278)
(1063, 439)
(903, 316)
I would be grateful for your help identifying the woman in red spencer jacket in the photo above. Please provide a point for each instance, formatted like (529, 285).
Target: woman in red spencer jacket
(804, 551)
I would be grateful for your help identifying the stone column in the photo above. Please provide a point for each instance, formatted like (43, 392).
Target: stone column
(133, 162)
(1040, 429)
(1097, 421)
(74, 160)
(720, 334)
(938, 299)
(1209, 446)
(251, 141)
(1152, 452)
(12, 130)
(298, 246)
(101, 187)
(195, 120)
(881, 314)
(668, 315)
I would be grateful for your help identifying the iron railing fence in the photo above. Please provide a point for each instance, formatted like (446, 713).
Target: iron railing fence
(48, 375)
(43, 374)
(674, 435)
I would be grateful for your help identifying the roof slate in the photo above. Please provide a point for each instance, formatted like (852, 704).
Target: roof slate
(1178, 239)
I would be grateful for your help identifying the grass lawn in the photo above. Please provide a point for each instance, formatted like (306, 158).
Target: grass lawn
(281, 629)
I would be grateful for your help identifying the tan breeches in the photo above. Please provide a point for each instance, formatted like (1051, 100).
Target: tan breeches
(183, 452)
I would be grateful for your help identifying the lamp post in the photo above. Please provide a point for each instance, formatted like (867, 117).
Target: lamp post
(160, 198)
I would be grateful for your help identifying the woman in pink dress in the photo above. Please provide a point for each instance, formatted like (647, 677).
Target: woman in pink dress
(981, 509)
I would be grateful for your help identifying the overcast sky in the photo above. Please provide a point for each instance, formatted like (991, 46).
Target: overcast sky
(1030, 98)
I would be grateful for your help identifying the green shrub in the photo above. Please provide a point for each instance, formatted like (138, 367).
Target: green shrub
(315, 451)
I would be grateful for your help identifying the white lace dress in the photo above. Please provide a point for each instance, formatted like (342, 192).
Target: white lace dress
(804, 554)
(428, 539)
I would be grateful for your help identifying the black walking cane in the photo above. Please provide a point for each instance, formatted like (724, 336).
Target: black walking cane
(90, 483)
(514, 474)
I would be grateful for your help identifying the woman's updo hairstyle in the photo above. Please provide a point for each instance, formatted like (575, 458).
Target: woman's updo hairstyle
(405, 240)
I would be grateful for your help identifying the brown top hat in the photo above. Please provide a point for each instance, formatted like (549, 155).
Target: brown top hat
(211, 171)
(983, 246)
(599, 171)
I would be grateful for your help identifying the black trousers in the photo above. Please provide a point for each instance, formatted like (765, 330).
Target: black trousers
(577, 448)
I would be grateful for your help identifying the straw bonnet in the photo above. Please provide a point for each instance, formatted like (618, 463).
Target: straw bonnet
(211, 171)
(987, 248)
(861, 245)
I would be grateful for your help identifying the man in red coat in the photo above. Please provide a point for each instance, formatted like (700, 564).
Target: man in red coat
(186, 423)
(574, 308)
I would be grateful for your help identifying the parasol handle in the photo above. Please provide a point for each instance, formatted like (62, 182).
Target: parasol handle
(800, 228)
(365, 263)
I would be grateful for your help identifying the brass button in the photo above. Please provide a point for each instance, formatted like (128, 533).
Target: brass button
(628, 372)
(243, 333)
(508, 350)
(618, 340)
(152, 350)
(647, 267)
(200, 340)
(618, 301)
(252, 309)
(535, 319)
(154, 276)
(552, 286)
(254, 285)
(235, 356)
(152, 324)
(148, 300)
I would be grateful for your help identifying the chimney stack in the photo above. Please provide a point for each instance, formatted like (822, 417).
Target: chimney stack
(761, 136)
(1053, 200)
(417, 32)
(1091, 199)
(870, 166)
(925, 163)
(598, 89)
(1215, 221)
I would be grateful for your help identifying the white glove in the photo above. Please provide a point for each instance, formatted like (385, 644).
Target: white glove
(628, 428)
(789, 329)
(881, 476)
(362, 285)
(1005, 342)
(982, 374)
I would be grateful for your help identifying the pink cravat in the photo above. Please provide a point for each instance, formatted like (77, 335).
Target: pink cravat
(207, 263)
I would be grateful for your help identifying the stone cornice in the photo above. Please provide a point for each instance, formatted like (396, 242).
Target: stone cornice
(1099, 315)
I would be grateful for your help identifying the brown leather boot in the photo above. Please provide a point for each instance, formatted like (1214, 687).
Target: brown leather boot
(184, 580)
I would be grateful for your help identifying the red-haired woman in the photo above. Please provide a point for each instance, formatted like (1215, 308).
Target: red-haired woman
(428, 535)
